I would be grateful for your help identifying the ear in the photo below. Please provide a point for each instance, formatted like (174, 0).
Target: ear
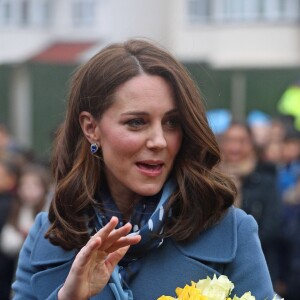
(89, 127)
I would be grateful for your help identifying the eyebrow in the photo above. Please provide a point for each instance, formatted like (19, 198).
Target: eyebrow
(143, 113)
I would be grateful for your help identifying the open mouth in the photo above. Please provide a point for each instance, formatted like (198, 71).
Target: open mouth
(149, 167)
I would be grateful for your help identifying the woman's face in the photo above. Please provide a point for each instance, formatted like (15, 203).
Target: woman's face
(236, 144)
(31, 190)
(140, 136)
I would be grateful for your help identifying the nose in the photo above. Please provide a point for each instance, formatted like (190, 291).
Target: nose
(156, 139)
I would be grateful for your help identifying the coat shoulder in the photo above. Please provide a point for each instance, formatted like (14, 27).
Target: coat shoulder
(42, 266)
(42, 221)
(43, 251)
(219, 243)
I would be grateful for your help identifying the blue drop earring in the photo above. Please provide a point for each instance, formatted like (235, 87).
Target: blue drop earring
(94, 148)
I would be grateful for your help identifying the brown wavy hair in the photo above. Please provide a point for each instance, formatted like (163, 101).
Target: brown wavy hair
(203, 193)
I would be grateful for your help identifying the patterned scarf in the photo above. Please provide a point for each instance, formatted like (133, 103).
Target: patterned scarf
(147, 220)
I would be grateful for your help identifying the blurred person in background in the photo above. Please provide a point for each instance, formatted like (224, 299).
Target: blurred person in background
(32, 192)
(31, 196)
(290, 254)
(289, 170)
(289, 187)
(278, 129)
(8, 182)
(272, 150)
(260, 125)
(256, 182)
(8, 144)
(283, 149)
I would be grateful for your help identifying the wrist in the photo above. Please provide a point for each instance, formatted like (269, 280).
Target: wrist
(62, 295)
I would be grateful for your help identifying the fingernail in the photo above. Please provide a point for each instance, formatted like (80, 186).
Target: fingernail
(133, 233)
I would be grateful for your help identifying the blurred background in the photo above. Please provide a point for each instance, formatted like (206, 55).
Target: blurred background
(243, 54)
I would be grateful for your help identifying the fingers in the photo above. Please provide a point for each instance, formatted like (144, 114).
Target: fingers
(118, 233)
(124, 242)
(113, 239)
(107, 240)
(107, 229)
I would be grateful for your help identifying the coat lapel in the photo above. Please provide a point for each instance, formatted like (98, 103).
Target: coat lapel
(217, 244)
(45, 253)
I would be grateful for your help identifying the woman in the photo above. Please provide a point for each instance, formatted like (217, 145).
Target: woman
(257, 187)
(32, 191)
(152, 163)
(27, 199)
(9, 175)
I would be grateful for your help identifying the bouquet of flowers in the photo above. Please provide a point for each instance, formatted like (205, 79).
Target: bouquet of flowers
(209, 289)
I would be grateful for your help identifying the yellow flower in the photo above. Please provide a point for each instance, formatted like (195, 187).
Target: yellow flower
(210, 289)
(189, 292)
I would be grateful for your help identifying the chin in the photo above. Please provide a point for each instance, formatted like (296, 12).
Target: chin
(150, 189)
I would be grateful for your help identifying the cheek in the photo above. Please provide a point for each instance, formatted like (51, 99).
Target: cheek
(229, 148)
(121, 145)
(175, 144)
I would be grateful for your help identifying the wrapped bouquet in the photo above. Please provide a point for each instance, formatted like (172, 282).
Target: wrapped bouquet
(209, 289)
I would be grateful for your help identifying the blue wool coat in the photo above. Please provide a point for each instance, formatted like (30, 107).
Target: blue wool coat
(231, 247)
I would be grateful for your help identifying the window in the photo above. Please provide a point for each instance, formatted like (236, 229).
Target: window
(281, 9)
(243, 10)
(199, 10)
(41, 12)
(83, 12)
(291, 10)
(24, 13)
(5, 12)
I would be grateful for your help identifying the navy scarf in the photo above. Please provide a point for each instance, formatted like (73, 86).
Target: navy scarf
(147, 220)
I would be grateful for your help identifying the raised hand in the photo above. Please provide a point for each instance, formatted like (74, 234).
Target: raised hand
(95, 262)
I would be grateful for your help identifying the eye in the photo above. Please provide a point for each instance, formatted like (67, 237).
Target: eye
(173, 122)
(136, 123)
